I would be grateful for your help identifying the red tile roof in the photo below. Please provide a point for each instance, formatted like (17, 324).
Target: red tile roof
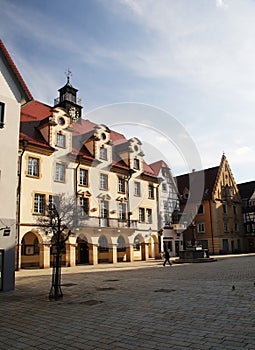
(157, 166)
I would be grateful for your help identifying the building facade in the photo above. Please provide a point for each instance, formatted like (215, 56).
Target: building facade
(247, 193)
(216, 219)
(168, 209)
(13, 94)
(115, 189)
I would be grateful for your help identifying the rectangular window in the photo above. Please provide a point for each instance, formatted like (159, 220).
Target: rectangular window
(136, 164)
(236, 227)
(39, 203)
(121, 185)
(137, 189)
(103, 181)
(103, 153)
(151, 191)
(141, 215)
(224, 208)
(2, 105)
(164, 187)
(61, 140)
(235, 209)
(201, 227)
(60, 172)
(104, 214)
(226, 226)
(148, 216)
(122, 211)
(83, 177)
(33, 167)
(84, 207)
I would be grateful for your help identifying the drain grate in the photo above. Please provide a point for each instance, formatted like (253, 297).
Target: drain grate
(68, 284)
(163, 290)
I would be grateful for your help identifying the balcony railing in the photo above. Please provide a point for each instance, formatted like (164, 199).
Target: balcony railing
(106, 222)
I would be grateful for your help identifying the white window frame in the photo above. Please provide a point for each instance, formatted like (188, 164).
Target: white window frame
(201, 227)
(150, 191)
(60, 172)
(137, 189)
(141, 214)
(61, 140)
(39, 203)
(122, 211)
(103, 153)
(33, 167)
(148, 215)
(121, 185)
(103, 181)
(83, 177)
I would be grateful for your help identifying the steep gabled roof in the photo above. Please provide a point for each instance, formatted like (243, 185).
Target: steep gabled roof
(210, 176)
(15, 73)
(157, 166)
(246, 189)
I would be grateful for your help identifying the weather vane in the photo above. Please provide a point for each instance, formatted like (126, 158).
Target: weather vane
(68, 74)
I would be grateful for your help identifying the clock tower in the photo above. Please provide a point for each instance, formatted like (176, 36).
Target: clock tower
(68, 100)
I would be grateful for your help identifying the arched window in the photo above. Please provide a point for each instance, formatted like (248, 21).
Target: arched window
(103, 244)
(121, 244)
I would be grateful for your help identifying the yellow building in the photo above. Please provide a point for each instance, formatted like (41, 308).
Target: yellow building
(114, 187)
(215, 221)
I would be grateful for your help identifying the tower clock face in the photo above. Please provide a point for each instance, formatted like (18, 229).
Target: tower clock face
(74, 113)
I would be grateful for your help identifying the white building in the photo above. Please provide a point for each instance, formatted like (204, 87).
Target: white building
(13, 94)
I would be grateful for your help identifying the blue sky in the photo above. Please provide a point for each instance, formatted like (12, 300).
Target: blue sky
(193, 59)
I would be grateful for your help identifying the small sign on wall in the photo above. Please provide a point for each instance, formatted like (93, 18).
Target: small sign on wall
(7, 231)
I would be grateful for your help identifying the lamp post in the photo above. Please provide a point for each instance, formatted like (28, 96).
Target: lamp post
(55, 291)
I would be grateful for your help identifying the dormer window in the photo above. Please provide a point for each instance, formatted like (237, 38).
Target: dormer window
(103, 153)
(1, 115)
(61, 140)
(136, 164)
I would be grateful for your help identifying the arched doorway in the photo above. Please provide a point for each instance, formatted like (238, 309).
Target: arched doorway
(121, 249)
(30, 251)
(82, 251)
(139, 248)
(103, 250)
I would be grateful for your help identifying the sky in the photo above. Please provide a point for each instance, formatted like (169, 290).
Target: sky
(179, 75)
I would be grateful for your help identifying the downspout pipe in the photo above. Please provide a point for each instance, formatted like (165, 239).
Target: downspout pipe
(24, 146)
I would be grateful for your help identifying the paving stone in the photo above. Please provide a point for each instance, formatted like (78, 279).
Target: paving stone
(196, 308)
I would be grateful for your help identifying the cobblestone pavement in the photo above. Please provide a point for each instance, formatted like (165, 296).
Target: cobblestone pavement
(134, 306)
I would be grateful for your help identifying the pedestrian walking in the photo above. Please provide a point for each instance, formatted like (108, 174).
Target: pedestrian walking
(167, 258)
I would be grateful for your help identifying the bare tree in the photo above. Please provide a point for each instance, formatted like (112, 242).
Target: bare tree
(60, 221)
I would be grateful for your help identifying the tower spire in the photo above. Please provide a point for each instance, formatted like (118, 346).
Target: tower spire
(68, 74)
